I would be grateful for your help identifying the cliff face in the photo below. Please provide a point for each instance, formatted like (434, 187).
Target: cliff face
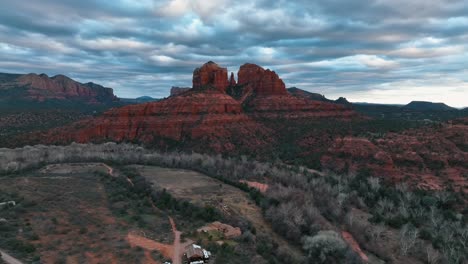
(210, 120)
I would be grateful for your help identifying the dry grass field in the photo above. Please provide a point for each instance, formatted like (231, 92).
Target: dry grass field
(203, 190)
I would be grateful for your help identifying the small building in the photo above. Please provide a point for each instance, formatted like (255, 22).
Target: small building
(7, 204)
(195, 254)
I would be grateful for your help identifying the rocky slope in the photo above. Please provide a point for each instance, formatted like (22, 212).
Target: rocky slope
(41, 88)
(431, 157)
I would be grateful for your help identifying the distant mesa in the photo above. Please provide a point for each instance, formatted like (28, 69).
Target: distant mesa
(305, 94)
(139, 100)
(317, 97)
(41, 88)
(427, 106)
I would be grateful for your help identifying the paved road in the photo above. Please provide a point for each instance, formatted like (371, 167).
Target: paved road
(176, 258)
(9, 259)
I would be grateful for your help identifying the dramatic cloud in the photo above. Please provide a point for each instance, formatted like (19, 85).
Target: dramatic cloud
(388, 51)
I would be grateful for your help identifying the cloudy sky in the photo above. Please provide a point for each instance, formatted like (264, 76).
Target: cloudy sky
(387, 51)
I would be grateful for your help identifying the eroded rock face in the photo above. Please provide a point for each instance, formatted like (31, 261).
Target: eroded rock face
(210, 74)
(262, 82)
(41, 88)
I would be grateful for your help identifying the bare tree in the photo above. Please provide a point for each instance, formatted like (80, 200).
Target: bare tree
(408, 238)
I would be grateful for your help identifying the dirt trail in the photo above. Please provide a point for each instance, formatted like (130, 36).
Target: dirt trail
(149, 244)
(354, 245)
(173, 251)
(9, 259)
(110, 170)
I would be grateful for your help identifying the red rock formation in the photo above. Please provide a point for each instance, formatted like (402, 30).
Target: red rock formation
(178, 90)
(262, 82)
(210, 74)
(204, 116)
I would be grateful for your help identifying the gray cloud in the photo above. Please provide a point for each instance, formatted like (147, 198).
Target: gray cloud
(358, 49)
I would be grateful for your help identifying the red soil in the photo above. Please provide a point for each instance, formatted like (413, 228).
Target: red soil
(262, 187)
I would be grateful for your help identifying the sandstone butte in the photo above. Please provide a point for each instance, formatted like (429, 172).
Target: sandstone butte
(41, 88)
(208, 114)
(265, 95)
(210, 74)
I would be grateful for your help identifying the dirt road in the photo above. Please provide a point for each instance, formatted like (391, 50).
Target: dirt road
(9, 259)
(177, 248)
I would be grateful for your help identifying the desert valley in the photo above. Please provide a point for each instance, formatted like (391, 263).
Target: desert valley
(290, 170)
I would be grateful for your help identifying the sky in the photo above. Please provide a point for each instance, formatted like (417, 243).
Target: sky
(381, 51)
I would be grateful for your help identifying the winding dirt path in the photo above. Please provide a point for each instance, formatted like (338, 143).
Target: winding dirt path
(9, 259)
